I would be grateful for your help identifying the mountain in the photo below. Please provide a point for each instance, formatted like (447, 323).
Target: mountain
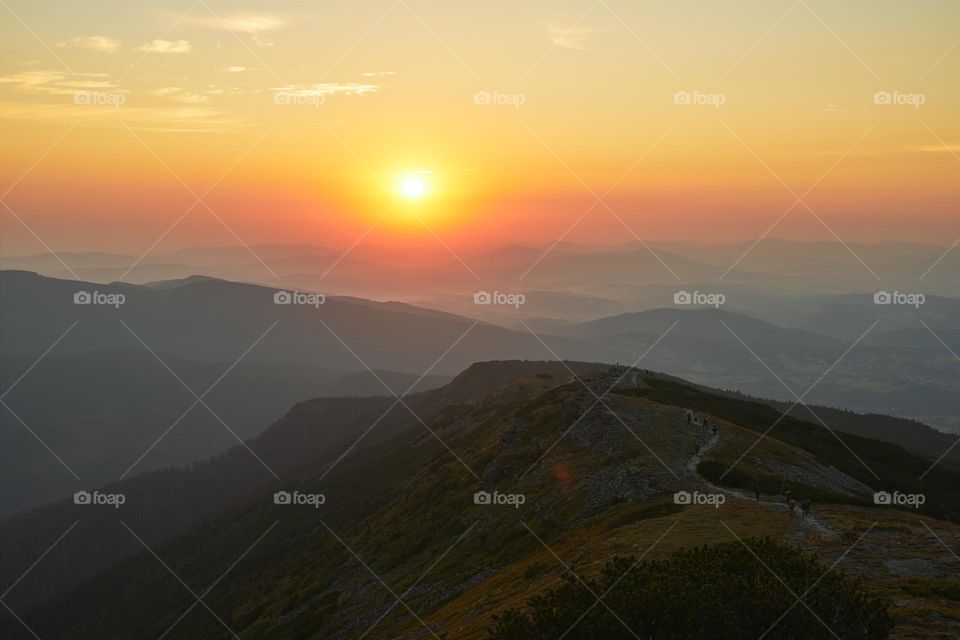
(773, 267)
(725, 349)
(578, 483)
(112, 407)
(700, 324)
(382, 383)
(215, 320)
(101, 411)
(900, 325)
(823, 261)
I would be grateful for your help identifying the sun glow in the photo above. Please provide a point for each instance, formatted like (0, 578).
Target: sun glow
(414, 186)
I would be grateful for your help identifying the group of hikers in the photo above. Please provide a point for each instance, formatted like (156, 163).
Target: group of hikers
(692, 418)
(792, 503)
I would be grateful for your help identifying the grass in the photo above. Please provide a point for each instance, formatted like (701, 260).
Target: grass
(746, 478)
(879, 465)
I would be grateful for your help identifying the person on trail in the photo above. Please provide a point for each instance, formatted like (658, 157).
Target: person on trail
(756, 492)
(792, 506)
(689, 416)
(696, 451)
(706, 424)
(713, 429)
(805, 507)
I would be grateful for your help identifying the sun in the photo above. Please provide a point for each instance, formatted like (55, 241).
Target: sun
(414, 186)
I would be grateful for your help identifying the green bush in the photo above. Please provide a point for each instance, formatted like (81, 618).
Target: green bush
(718, 593)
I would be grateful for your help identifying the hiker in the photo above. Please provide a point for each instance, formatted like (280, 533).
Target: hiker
(792, 506)
(696, 451)
(706, 424)
(688, 415)
(713, 429)
(756, 491)
(786, 496)
(805, 507)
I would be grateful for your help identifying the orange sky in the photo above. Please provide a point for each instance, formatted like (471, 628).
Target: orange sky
(303, 118)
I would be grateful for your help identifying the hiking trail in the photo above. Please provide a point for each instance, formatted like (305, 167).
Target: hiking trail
(810, 521)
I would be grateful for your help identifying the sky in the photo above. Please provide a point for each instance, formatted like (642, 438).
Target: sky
(135, 126)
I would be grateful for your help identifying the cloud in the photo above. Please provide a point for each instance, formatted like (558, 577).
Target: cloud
(165, 91)
(188, 97)
(378, 74)
(180, 95)
(936, 148)
(569, 37)
(255, 25)
(330, 89)
(242, 22)
(165, 46)
(168, 119)
(57, 83)
(32, 79)
(235, 69)
(101, 44)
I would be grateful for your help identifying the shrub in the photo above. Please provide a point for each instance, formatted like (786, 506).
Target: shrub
(718, 593)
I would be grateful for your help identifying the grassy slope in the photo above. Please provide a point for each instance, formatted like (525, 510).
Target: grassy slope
(401, 504)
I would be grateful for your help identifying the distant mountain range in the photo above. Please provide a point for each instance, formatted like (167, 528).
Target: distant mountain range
(617, 273)
(104, 380)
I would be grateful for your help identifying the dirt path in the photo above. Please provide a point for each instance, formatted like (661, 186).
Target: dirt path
(799, 522)
(695, 460)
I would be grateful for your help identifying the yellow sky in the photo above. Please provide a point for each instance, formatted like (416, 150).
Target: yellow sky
(704, 120)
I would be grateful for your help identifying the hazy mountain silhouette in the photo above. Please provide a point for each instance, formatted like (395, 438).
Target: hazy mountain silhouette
(214, 320)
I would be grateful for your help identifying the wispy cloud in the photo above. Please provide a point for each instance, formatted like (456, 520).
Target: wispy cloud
(936, 148)
(166, 46)
(235, 68)
(56, 83)
(378, 74)
(241, 22)
(569, 37)
(180, 95)
(255, 25)
(330, 89)
(168, 119)
(101, 44)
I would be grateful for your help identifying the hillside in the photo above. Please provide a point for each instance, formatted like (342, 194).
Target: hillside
(216, 320)
(722, 348)
(400, 519)
(114, 405)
